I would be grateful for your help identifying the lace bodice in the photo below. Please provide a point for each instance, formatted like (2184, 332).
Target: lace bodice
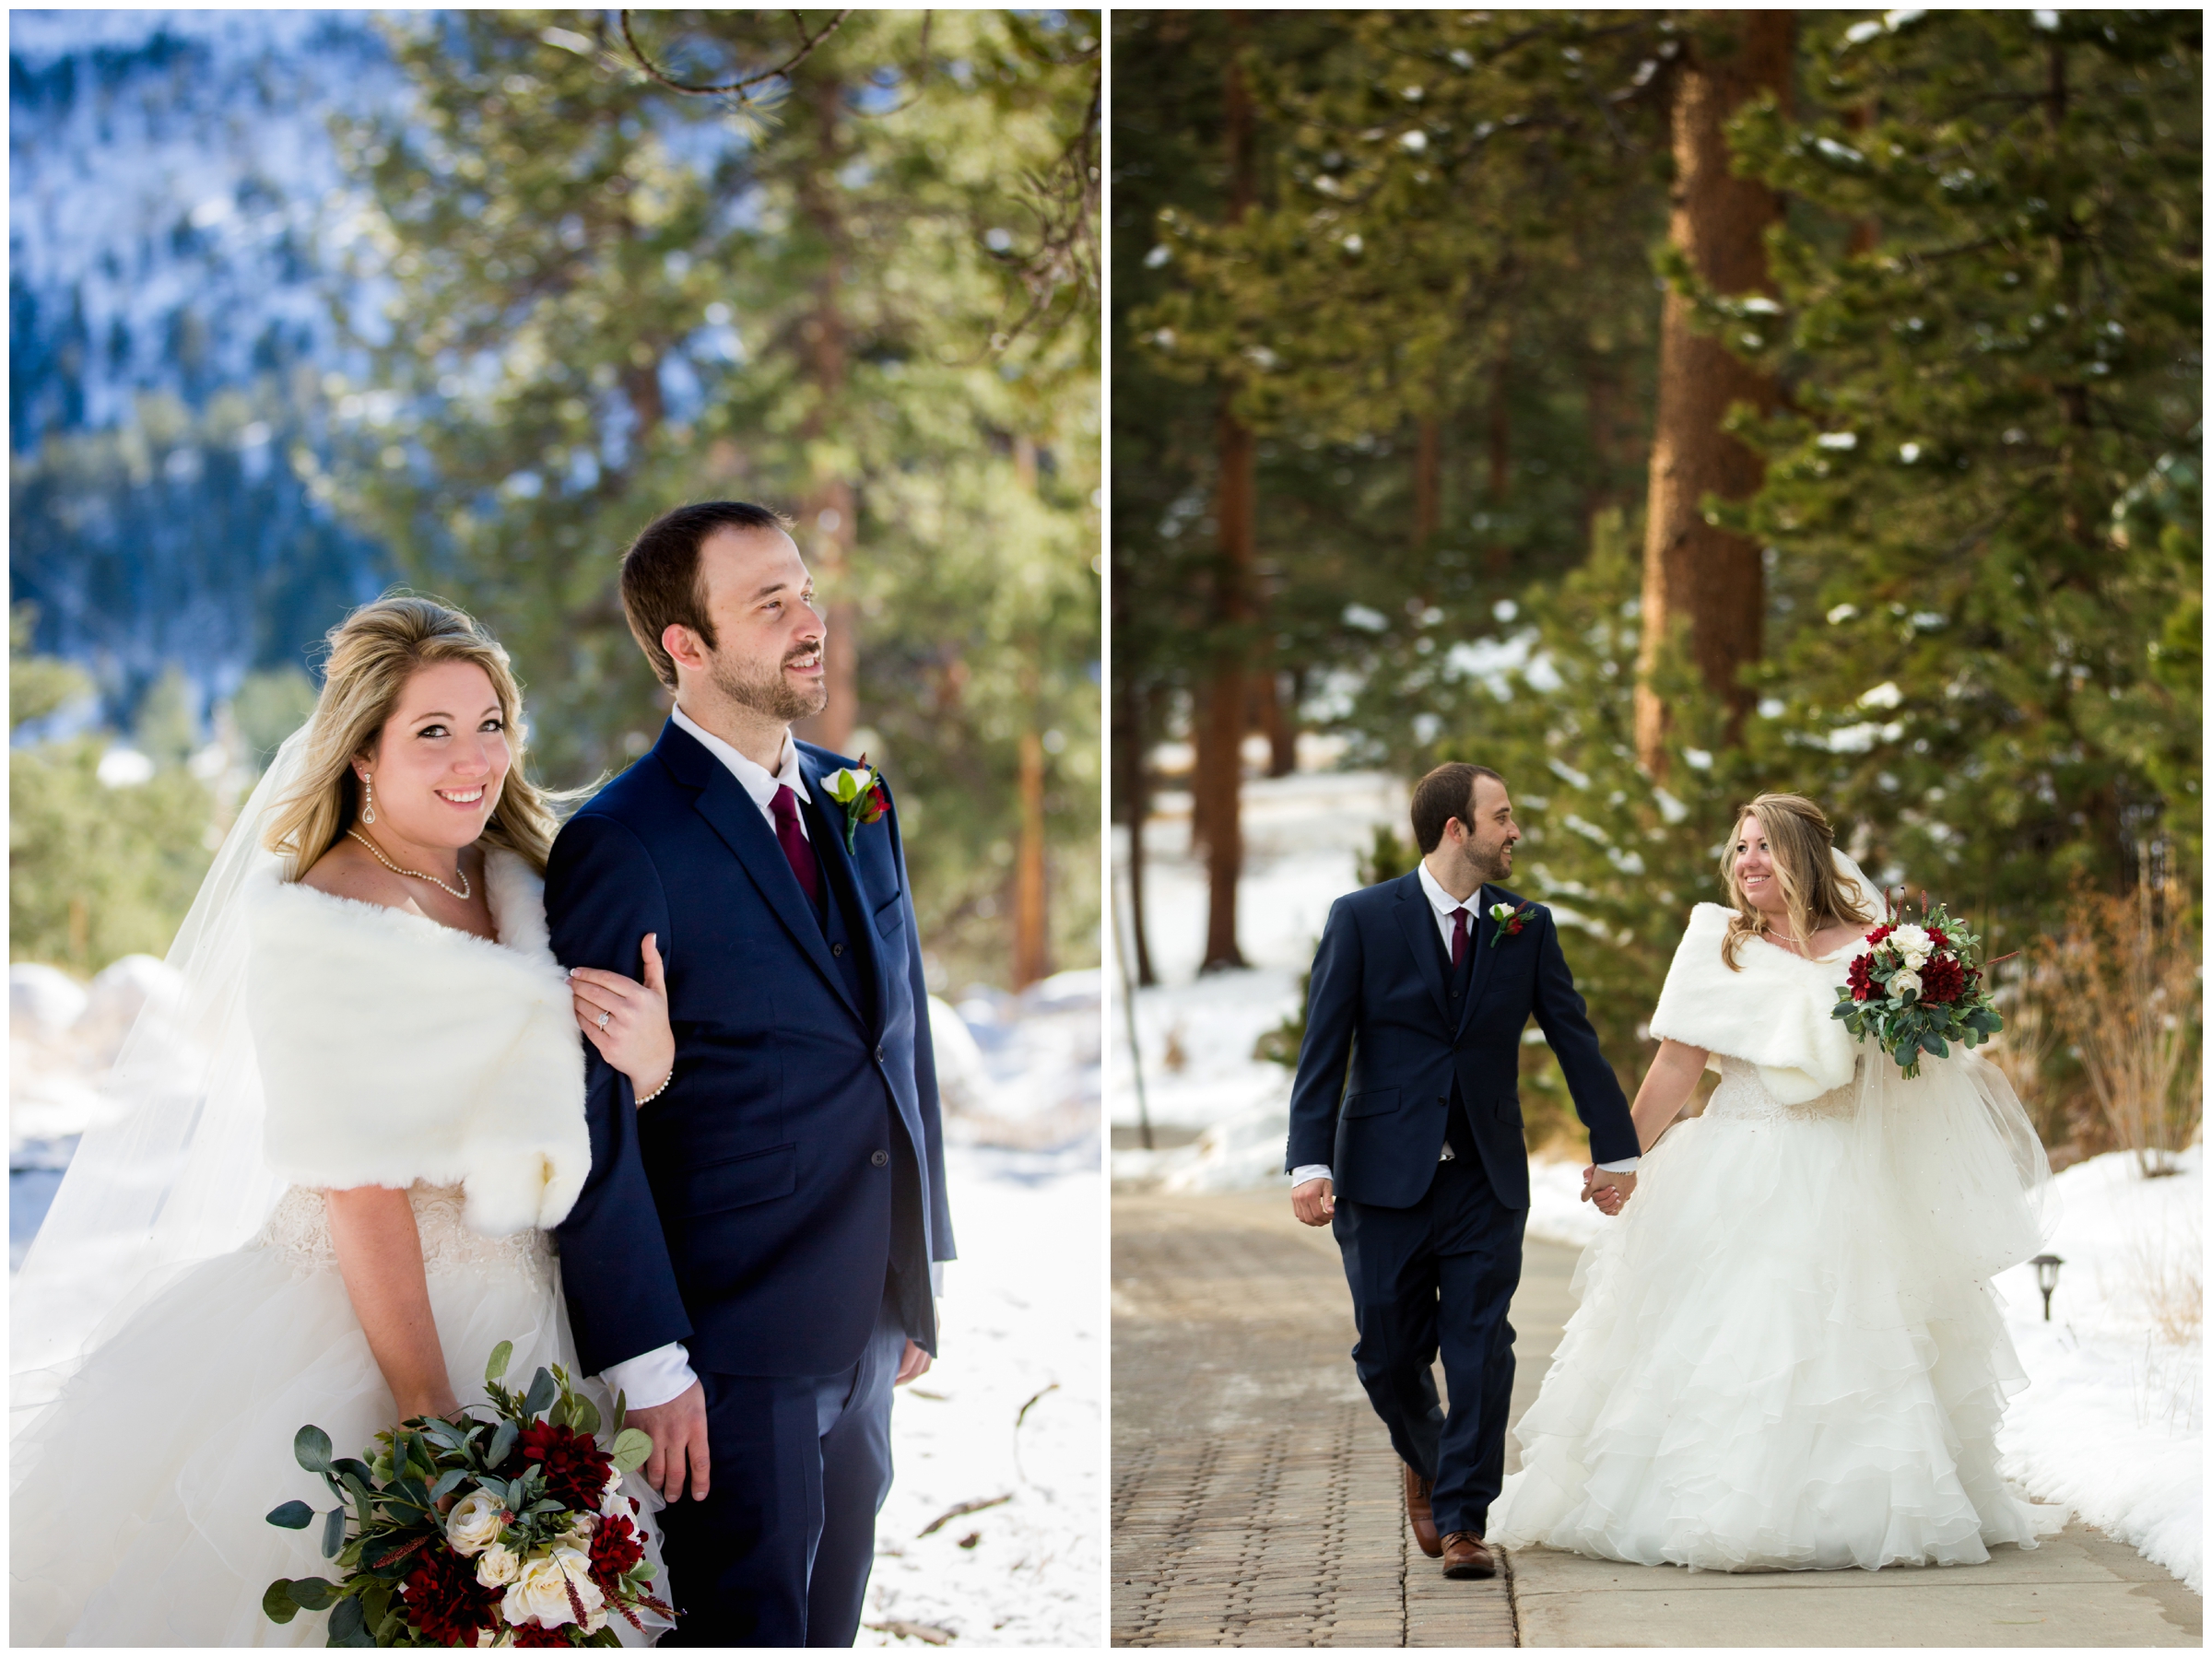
(300, 1229)
(1744, 1097)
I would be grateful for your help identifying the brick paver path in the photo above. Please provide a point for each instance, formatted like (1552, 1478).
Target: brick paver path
(1256, 1497)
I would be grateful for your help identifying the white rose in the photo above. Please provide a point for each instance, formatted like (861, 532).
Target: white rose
(1904, 983)
(498, 1564)
(579, 1527)
(540, 1592)
(474, 1524)
(1913, 940)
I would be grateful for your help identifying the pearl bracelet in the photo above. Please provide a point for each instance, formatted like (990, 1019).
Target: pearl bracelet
(646, 1098)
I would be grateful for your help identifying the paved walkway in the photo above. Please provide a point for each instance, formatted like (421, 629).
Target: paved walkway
(1257, 1498)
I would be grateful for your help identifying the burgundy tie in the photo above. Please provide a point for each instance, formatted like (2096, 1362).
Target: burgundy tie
(1459, 938)
(797, 851)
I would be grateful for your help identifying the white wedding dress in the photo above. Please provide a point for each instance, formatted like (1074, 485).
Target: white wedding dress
(1787, 1354)
(323, 1044)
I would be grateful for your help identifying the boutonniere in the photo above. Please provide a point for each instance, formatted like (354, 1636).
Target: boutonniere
(859, 789)
(1510, 921)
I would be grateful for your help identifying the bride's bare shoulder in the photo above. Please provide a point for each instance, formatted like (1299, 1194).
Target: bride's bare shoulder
(346, 871)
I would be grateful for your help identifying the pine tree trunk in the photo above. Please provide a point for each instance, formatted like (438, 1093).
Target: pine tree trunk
(1277, 721)
(1498, 443)
(1220, 764)
(1133, 789)
(1427, 479)
(1031, 959)
(1693, 572)
(828, 523)
(1219, 760)
(1032, 932)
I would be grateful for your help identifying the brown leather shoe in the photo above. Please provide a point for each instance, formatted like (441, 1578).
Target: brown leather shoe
(1468, 1556)
(1419, 1514)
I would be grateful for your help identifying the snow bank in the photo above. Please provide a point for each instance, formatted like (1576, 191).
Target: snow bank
(1014, 1409)
(2112, 1422)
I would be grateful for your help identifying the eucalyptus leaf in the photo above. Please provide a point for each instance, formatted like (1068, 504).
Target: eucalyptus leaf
(334, 1533)
(292, 1516)
(311, 1448)
(276, 1603)
(502, 1444)
(311, 1593)
(621, 1409)
(502, 1354)
(448, 1482)
(587, 1416)
(630, 1449)
(544, 1389)
(348, 1626)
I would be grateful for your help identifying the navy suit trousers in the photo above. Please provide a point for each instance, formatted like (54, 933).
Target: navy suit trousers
(779, 1553)
(1437, 1277)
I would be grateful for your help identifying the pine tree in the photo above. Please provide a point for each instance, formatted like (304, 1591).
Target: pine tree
(612, 297)
(1982, 501)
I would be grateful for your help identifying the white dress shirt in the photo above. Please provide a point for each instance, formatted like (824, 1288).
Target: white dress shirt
(665, 1372)
(1442, 905)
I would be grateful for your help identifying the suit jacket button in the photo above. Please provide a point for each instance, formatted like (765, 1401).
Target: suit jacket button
(837, 949)
(879, 1052)
(879, 1158)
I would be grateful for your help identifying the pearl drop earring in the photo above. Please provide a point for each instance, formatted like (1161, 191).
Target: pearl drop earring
(369, 791)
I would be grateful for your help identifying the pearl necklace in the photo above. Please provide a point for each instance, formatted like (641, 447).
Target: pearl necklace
(460, 874)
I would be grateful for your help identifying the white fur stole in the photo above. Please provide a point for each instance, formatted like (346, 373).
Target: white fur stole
(393, 1049)
(1774, 1011)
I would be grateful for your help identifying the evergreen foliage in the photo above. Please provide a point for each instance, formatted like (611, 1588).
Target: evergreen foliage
(95, 870)
(611, 298)
(1981, 512)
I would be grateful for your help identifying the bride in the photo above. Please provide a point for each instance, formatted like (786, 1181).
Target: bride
(1787, 1355)
(342, 1150)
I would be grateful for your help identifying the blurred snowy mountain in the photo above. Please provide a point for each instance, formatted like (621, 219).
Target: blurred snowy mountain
(174, 187)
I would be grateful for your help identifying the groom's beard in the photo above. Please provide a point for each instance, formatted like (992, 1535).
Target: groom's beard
(770, 692)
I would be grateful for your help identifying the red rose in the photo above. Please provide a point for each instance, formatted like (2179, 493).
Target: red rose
(1941, 979)
(615, 1547)
(1935, 936)
(444, 1599)
(576, 1468)
(1879, 933)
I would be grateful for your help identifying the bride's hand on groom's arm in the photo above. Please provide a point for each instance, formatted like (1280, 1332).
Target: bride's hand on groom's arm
(678, 1431)
(627, 1021)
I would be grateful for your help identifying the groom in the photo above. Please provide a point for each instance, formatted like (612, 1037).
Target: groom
(751, 1258)
(1406, 1129)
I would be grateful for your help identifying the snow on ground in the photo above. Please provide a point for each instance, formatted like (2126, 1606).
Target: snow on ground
(2111, 1423)
(1009, 1420)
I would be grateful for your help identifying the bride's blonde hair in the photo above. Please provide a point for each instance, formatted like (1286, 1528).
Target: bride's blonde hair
(1801, 842)
(373, 652)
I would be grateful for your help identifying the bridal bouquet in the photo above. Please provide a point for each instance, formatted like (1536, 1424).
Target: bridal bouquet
(511, 1531)
(1917, 988)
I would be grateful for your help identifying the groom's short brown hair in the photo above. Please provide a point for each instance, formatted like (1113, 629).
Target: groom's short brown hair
(1445, 792)
(660, 573)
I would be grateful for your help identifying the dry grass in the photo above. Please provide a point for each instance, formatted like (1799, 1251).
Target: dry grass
(2124, 988)
(2167, 1278)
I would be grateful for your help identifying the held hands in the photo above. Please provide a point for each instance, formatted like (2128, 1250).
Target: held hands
(1314, 1202)
(1608, 1190)
(626, 1021)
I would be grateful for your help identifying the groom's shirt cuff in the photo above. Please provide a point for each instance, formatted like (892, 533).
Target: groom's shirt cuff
(1627, 1165)
(1311, 1171)
(650, 1378)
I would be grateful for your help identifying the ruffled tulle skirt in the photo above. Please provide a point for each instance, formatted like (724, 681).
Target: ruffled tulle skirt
(1772, 1366)
(137, 1493)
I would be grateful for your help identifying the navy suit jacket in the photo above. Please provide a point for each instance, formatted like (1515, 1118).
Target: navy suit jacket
(1382, 1050)
(756, 1209)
